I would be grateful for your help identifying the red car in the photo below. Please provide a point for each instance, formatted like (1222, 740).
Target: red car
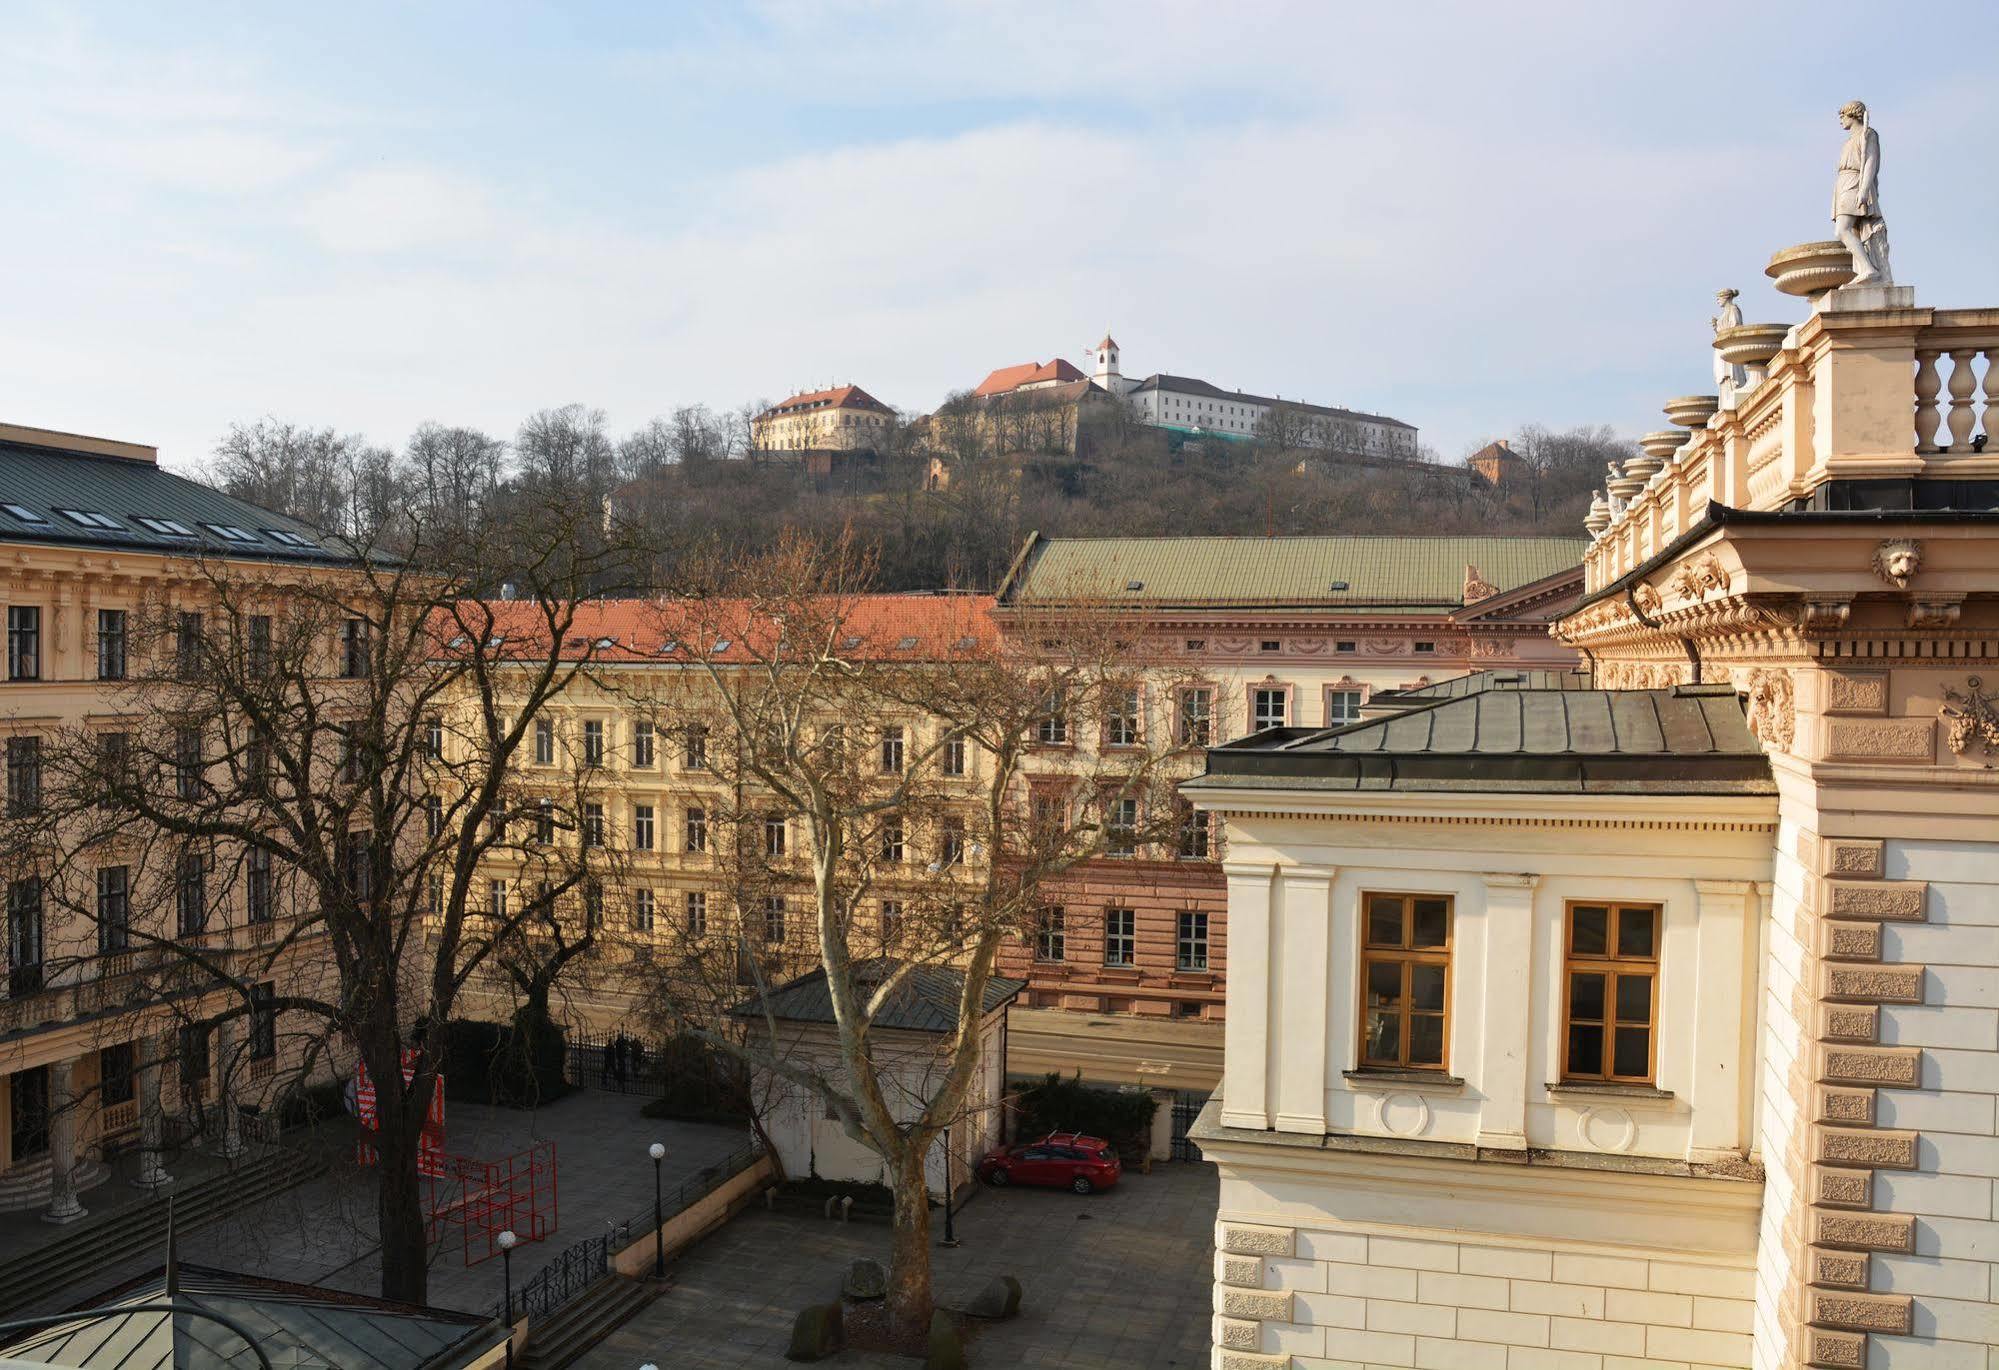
(1061, 1160)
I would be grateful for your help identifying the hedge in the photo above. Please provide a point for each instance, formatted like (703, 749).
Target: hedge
(1122, 1117)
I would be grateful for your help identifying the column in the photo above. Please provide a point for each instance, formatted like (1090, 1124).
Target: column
(1504, 1025)
(64, 1110)
(153, 1049)
(1300, 964)
(228, 1053)
(1246, 1029)
(1721, 1046)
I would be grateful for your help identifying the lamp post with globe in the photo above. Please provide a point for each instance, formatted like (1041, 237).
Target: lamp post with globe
(658, 1153)
(507, 1241)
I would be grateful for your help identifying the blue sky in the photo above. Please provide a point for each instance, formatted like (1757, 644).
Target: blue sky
(1471, 217)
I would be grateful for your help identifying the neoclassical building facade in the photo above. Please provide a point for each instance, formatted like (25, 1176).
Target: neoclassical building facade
(1655, 1022)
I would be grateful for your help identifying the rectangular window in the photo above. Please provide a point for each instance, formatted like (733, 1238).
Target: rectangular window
(433, 738)
(1193, 832)
(697, 747)
(187, 644)
(114, 908)
(1050, 944)
(24, 642)
(258, 656)
(892, 848)
(1611, 1003)
(194, 1054)
(1191, 942)
(24, 774)
(1343, 647)
(593, 825)
(187, 763)
(1268, 707)
(496, 899)
(954, 756)
(891, 751)
(433, 816)
(1405, 977)
(891, 920)
(697, 830)
(114, 764)
(1121, 827)
(1425, 647)
(1053, 728)
(191, 894)
(773, 918)
(1196, 726)
(1121, 723)
(643, 913)
(544, 820)
(354, 648)
(1120, 937)
(435, 887)
(110, 644)
(544, 742)
(593, 905)
(358, 853)
(1342, 707)
(593, 743)
(951, 841)
(263, 1022)
(257, 885)
(643, 750)
(642, 827)
(114, 1073)
(774, 836)
(697, 913)
(24, 935)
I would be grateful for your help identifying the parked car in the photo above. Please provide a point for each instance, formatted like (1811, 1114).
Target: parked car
(1061, 1160)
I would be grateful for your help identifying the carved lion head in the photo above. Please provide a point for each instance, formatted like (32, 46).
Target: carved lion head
(1896, 560)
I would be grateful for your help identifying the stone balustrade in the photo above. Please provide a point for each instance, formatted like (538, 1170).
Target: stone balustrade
(1883, 393)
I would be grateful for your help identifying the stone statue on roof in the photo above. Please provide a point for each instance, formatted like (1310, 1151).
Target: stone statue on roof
(1727, 378)
(1856, 199)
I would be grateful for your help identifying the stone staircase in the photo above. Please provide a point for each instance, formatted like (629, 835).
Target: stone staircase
(87, 1257)
(29, 1186)
(584, 1321)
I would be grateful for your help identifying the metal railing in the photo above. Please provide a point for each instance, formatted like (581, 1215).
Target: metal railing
(577, 1267)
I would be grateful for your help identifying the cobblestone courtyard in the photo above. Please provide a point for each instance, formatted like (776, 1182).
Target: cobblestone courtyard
(1112, 1281)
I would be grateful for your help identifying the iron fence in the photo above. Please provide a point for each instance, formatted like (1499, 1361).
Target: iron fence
(581, 1265)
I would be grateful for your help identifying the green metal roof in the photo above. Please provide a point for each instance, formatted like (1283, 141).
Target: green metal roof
(1267, 572)
(927, 1001)
(44, 481)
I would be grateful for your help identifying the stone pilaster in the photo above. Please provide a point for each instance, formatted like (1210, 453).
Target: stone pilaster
(1246, 1033)
(1299, 1047)
(1509, 954)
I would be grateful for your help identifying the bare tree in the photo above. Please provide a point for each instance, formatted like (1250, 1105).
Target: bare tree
(903, 764)
(308, 473)
(314, 774)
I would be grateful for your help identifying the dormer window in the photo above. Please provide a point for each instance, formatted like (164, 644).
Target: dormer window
(90, 518)
(229, 532)
(166, 528)
(285, 538)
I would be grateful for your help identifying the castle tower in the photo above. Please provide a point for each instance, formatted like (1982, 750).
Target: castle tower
(1106, 372)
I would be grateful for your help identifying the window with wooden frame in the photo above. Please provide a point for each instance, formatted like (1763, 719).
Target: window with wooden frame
(1405, 981)
(1195, 716)
(1122, 719)
(1610, 998)
(1269, 707)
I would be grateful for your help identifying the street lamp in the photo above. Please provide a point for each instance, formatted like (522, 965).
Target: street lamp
(950, 1237)
(507, 1241)
(658, 1153)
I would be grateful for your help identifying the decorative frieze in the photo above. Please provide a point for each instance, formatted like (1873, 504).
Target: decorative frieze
(1856, 692)
(1971, 719)
(1881, 739)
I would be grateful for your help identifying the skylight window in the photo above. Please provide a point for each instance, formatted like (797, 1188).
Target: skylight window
(721, 644)
(286, 538)
(90, 518)
(669, 646)
(907, 644)
(847, 644)
(166, 528)
(25, 515)
(230, 532)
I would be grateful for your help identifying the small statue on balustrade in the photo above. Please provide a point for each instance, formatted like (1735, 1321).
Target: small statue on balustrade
(1856, 199)
(1727, 379)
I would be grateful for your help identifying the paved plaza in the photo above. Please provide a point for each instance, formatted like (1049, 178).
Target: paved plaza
(1109, 1282)
(323, 1232)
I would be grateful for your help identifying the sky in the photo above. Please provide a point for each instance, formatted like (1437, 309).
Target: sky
(1474, 217)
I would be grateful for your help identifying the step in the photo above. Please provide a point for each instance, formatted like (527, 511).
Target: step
(592, 1316)
(130, 1231)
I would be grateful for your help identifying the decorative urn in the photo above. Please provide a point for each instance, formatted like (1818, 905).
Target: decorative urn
(1751, 345)
(1598, 518)
(1692, 411)
(1811, 269)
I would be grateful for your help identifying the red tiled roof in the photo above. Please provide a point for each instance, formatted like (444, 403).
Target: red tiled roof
(884, 627)
(841, 397)
(1013, 377)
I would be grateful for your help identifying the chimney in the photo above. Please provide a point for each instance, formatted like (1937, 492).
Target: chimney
(1505, 445)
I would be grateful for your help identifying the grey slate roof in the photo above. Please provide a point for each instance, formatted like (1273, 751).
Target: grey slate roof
(45, 479)
(296, 1325)
(1459, 686)
(1691, 739)
(926, 1002)
(1397, 572)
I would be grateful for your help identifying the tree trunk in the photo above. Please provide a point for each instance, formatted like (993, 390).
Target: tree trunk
(399, 1203)
(909, 1298)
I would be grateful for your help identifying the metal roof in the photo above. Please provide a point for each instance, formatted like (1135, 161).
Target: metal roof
(1458, 686)
(1690, 739)
(1263, 572)
(296, 1325)
(44, 480)
(925, 1002)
